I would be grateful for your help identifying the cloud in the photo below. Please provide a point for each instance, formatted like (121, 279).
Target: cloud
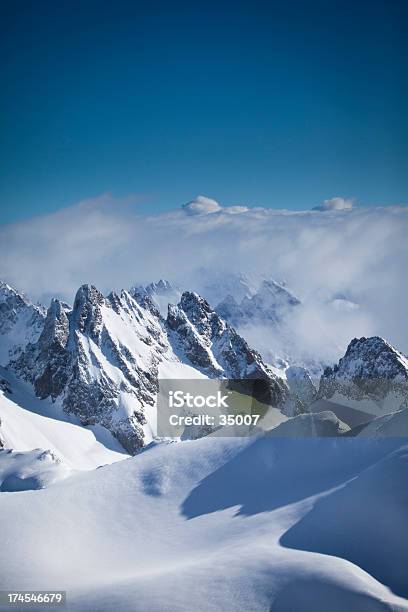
(362, 256)
(336, 203)
(202, 206)
(235, 210)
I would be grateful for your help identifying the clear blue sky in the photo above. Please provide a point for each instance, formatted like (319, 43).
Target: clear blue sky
(279, 104)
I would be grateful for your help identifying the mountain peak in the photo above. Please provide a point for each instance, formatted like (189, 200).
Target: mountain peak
(56, 325)
(279, 292)
(86, 310)
(9, 294)
(87, 293)
(269, 304)
(214, 347)
(21, 322)
(194, 305)
(372, 376)
(162, 286)
(373, 356)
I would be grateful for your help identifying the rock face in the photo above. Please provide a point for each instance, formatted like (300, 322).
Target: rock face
(372, 376)
(102, 359)
(99, 359)
(21, 322)
(4, 386)
(213, 346)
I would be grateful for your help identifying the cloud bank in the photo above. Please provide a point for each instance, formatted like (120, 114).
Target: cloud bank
(361, 254)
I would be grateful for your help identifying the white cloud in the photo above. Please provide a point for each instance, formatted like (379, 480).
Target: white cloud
(235, 210)
(202, 206)
(336, 203)
(362, 255)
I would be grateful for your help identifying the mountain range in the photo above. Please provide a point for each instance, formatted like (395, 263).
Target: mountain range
(306, 512)
(101, 360)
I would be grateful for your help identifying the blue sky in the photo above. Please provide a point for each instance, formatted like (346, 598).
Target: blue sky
(259, 103)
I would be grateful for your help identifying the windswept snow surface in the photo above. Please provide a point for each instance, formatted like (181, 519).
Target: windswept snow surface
(25, 471)
(207, 525)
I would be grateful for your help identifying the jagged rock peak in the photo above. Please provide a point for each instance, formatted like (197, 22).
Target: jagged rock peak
(56, 325)
(100, 360)
(194, 306)
(87, 294)
(200, 314)
(271, 287)
(15, 299)
(21, 322)
(87, 314)
(214, 347)
(162, 286)
(6, 291)
(370, 357)
(371, 377)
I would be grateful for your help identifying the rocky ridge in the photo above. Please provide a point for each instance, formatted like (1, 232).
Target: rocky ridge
(102, 359)
(372, 373)
(21, 322)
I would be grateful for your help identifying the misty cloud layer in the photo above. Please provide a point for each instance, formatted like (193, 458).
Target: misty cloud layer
(330, 258)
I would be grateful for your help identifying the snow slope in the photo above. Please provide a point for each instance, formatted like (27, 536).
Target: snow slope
(370, 513)
(25, 471)
(394, 424)
(199, 525)
(29, 423)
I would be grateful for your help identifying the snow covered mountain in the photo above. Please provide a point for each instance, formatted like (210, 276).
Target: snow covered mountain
(235, 523)
(102, 359)
(269, 317)
(372, 377)
(212, 345)
(216, 284)
(270, 304)
(21, 322)
(263, 311)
